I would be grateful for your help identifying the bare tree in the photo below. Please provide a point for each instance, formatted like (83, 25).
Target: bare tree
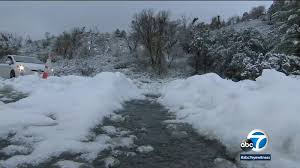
(68, 42)
(143, 25)
(9, 43)
(156, 32)
(233, 20)
(256, 12)
(93, 34)
(132, 42)
(160, 38)
(28, 40)
(172, 39)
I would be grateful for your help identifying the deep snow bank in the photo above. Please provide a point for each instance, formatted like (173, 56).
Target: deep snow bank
(59, 113)
(229, 110)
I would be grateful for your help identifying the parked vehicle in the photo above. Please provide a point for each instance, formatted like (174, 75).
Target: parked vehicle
(13, 66)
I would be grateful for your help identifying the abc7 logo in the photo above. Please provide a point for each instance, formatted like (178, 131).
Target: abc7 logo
(257, 140)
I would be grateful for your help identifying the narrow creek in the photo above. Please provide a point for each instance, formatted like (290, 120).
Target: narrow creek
(9, 95)
(173, 145)
(157, 143)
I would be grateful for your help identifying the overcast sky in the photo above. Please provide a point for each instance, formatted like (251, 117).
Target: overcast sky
(36, 18)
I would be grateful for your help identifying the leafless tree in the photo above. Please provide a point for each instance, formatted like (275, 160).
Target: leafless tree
(256, 12)
(68, 42)
(9, 43)
(132, 42)
(156, 32)
(93, 35)
(143, 25)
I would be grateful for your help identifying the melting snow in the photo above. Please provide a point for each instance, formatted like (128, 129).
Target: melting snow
(229, 110)
(59, 114)
(145, 149)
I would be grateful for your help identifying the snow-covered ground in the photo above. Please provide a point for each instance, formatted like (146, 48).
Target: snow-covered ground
(65, 109)
(58, 115)
(228, 111)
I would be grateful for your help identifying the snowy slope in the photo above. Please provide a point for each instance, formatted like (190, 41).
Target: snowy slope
(59, 114)
(228, 111)
(261, 26)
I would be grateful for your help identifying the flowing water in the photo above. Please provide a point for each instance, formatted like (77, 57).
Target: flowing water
(158, 142)
(9, 95)
(175, 145)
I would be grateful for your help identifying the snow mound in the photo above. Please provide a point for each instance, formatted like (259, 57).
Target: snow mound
(228, 110)
(60, 112)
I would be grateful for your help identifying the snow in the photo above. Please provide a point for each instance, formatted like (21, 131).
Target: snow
(292, 16)
(111, 130)
(116, 118)
(15, 149)
(145, 149)
(123, 141)
(68, 164)
(60, 112)
(228, 111)
(258, 25)
(111, 162)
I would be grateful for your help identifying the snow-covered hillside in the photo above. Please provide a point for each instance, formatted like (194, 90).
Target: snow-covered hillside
(114, 57)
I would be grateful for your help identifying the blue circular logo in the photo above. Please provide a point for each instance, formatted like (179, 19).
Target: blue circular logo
(259, 138)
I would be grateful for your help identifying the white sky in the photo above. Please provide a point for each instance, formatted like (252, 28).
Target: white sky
(36, 18)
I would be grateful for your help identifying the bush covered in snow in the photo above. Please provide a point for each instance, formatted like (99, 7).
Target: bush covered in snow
(9, 43)
(234, 53)
(242, 54)
(241, 50)
(287, 17)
